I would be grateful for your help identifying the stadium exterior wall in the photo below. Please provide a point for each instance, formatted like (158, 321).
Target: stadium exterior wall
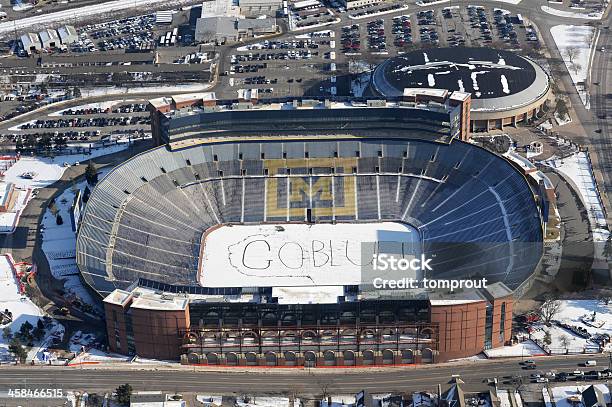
(453, 330)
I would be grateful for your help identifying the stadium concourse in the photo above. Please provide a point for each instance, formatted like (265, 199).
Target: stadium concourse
(255, 247)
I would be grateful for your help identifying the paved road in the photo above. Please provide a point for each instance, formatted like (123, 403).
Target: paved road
(304, 381)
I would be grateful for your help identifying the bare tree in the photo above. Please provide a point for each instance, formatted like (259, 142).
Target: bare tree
(549, 309)
(572, 53)
(606, 298)
(565, 341)
(576, 67)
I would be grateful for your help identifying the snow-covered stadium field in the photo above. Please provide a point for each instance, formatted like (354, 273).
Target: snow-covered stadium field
(291, 255)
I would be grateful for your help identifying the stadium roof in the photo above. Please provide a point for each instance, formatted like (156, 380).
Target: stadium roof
(496, 79)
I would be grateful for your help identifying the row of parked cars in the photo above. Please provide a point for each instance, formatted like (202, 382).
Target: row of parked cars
(576, 375)
(92, 122)
(376, 36)
(308, 43)
(402, 31)
(259, 80)
(370, 10)
(505, 28)
(128, 108)
(428, 35)
(65, 135)
(351, 39)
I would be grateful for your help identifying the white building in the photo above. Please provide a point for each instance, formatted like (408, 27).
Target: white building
(31, 43)
(49, 38)
(259, 7)
(353, 4)
(68, 34)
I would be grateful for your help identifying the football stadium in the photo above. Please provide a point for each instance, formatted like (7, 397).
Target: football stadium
(251, 241)
(506, 88)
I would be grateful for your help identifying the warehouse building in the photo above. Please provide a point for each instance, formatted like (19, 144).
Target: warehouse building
(49, 38)
(67, 34)
(260, 7)
(31, 43)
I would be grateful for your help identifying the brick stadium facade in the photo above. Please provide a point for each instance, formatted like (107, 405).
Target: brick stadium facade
(378, 333)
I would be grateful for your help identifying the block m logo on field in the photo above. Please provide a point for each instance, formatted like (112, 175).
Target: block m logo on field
(326, 195)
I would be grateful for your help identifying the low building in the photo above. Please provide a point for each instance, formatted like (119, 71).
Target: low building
(353, 4)
(31, 43)
(259, 7)
(216, 29)
(8, 196)
(49, 38)
(249, 27)
(67, 34)
(163, 17)
(155, 399)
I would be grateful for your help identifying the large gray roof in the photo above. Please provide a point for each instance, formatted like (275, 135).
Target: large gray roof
(497, 79)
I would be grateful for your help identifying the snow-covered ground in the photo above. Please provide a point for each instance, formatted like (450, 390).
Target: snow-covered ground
(20, 306)
(59, 244)
(48, 170)
(81, 344)
(113, 90)
(577, 167)
(525, 348)
(572, 14)
(571, 313)
(209, 400)
(575, 44)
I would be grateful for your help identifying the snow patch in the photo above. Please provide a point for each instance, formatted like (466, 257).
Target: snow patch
(461, 87)
(504, 83)
(430, 80)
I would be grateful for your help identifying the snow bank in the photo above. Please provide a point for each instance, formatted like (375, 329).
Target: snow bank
(526, 348)
(577, 167)
(572, 14)
(113, 90)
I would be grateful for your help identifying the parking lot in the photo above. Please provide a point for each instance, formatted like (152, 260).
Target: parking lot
(313, 62)
(279, 68)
